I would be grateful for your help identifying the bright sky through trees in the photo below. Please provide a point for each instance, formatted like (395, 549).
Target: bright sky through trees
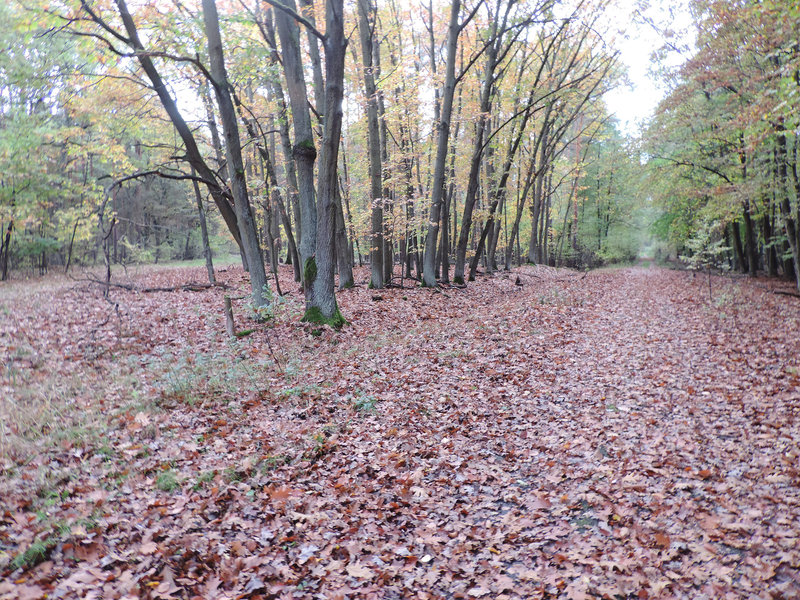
(645, 29)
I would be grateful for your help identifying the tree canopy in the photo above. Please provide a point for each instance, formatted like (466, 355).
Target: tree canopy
(468, 132)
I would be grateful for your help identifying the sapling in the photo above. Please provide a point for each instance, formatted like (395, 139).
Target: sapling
(707, 250)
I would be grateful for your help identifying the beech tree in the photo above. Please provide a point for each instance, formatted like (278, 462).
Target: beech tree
(476, 122)
(233, 151)
(724, 143)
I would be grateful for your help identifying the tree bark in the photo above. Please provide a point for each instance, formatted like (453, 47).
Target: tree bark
(193, 155)
(790, 223)
(233, 152)
(304, 151)
(437, 192)
(366, 30)
(204, 231)
(481, 138)
(275, 92)
(738, 249)
(322, 307)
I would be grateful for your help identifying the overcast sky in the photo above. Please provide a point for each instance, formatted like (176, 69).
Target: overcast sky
(635, 104)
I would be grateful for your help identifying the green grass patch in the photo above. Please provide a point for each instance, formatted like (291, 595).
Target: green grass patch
(167, 481)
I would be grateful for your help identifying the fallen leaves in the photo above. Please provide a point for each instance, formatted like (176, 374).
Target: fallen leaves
(626, 440)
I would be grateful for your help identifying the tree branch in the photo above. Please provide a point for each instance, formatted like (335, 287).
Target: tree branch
(297, 17)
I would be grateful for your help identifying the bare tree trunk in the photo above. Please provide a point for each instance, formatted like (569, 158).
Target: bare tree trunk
(316, 63)
(304, 151)
(275, 91)
(366, 30)
(233, 151)
(481, 135)
(791, 224)
(5, 249)
(437, 192)
(271, 179)
(529, 177)
(449, 199)
(322, 307)
(69, 250)
(193, 155)
(204, 231)
(344, 189)
(343, 261)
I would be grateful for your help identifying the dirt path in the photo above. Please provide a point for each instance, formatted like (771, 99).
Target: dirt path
(615, 435)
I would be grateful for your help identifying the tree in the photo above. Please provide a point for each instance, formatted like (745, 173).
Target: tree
(437, 191)
(233, 151)
(729, 126)
(369, 49)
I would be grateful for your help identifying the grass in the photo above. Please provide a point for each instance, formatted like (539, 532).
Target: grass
(364, 402)
(190, 377)
(167, 481)
(34, 554)
(204, 479)
(54, 399)
(272, 462)
(301, 391)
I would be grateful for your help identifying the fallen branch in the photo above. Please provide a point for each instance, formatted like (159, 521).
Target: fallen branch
(781, 292)
(184, 287)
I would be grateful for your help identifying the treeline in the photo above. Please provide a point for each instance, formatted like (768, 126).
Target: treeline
(429, 140)
(724, 144)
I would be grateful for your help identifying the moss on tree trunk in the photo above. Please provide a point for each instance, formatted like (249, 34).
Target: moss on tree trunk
(314, 315)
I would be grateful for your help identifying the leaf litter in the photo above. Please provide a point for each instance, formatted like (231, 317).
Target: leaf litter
(609, 436)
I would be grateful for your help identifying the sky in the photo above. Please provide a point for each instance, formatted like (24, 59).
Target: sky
(634, 104)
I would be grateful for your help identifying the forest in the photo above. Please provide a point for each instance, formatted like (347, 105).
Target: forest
(378, 298)
(474, 137)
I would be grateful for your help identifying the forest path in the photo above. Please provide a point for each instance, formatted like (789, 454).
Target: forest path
(613, 434)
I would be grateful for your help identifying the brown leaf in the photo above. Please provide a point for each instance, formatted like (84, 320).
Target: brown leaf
(359, 571)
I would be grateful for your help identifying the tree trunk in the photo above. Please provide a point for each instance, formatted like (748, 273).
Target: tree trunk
(193, 155)
(483, 130)
(366, 30)
(316, 63)
(322, 307)
(344, 255)
(738, 249)
(233, 151)
(271, 181)
(304, 151)
(529, 178)
(750, 244)
(771, 255)
(204, 232)
(5, 249)
(275, 92)
(437, 192)
(790, 223)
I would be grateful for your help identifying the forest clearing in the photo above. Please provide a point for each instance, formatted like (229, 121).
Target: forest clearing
(544, 433)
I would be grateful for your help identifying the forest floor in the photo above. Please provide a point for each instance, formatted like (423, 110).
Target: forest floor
(615, 434)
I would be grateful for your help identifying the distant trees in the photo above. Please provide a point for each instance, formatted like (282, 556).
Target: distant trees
(443, 132)
(724, 144)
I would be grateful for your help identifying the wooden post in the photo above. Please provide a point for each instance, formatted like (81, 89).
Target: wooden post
(229, 326)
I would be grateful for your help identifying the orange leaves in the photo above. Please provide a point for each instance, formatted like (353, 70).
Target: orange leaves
(662, 540)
